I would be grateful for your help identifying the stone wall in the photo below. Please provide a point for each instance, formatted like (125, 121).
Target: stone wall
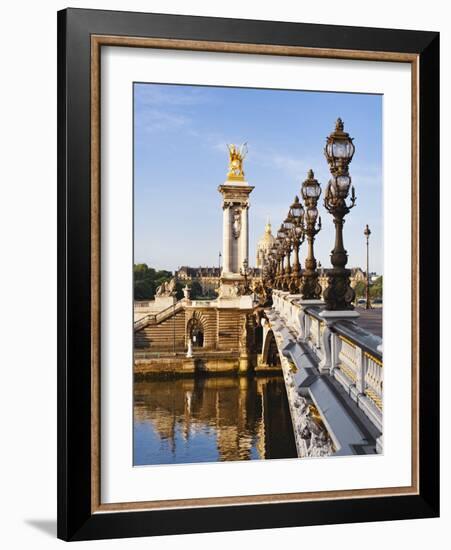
(176, 365)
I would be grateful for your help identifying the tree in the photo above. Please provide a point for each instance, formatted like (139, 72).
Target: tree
(178, 290)
(376, 288)
(196, 290)
(146, 281)
(360, 289)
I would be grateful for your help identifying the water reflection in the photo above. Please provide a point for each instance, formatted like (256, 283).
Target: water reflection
(211, 419)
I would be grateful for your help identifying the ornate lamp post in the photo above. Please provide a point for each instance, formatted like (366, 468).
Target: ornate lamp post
(311, 191)
(367, 233)
(268, 270)
(297, 238)
(264, 288)
(288, 226)
(277, 264)
(281, 243)
(244, 272)
(278, 256)
(339, 151)
(274, 267)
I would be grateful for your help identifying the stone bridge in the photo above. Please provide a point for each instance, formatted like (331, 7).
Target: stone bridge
(333, 374)
(332, 367)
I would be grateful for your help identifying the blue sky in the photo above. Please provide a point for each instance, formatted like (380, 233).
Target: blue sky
(180, 159)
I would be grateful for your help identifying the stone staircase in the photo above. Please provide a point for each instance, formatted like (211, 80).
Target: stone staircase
(156, 318)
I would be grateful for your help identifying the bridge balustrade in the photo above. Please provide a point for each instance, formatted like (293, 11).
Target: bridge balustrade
(344, 350)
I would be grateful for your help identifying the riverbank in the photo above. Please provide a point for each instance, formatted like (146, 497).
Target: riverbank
(167, 365)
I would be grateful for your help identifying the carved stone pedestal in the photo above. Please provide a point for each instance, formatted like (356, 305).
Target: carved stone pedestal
(332, 317)
(303, 318)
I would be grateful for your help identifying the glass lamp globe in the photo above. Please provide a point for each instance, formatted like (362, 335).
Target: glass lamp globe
(311, 189)
(296, 208)
(288, 224)
(339, 147)
(343, 183)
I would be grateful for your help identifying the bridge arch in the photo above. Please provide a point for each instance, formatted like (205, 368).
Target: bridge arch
(270, 353)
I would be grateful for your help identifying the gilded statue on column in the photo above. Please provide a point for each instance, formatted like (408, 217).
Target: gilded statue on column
(236, 157)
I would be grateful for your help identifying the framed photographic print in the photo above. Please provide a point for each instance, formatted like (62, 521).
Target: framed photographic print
(248, 274)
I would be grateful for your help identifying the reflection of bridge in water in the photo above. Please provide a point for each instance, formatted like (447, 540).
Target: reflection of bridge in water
(200, 419)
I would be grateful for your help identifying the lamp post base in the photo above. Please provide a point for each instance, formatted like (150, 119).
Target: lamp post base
(313, 302)
(344, 314)
(339, 294)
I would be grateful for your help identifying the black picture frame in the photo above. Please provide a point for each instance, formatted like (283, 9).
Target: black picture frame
(76, 521)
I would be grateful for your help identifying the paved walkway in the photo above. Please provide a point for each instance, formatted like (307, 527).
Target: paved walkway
(371, 320)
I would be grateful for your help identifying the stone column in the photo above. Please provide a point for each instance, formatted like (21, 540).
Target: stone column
(226, 236)
(244, 241)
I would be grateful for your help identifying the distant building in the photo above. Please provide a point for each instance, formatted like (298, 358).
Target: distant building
(264, 245)
(186, 273)
(207, 277)
(357, 276)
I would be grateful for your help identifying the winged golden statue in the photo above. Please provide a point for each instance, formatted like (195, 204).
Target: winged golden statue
(236, 157)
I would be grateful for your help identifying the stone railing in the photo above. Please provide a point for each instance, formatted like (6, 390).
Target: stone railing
(160, 316)
(343, 349)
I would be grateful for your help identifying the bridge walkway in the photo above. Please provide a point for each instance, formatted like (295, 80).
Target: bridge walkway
(348, 427)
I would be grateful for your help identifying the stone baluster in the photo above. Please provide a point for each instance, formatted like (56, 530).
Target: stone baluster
(308, 327)
(285, 307)
(361, 364)
(311, 332)
(373, 376)
(335, 342)
(293, 317)
(326, 363)
(318, 334)
(301, 316)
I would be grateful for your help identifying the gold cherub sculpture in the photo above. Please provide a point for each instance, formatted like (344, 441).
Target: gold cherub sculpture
(237, 156)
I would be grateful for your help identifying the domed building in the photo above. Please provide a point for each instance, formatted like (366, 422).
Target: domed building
(264, 245)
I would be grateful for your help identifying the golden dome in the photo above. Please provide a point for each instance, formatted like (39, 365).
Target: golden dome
(268, 237)
(265, 244)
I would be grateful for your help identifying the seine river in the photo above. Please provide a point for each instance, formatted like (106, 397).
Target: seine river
(211, 419)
